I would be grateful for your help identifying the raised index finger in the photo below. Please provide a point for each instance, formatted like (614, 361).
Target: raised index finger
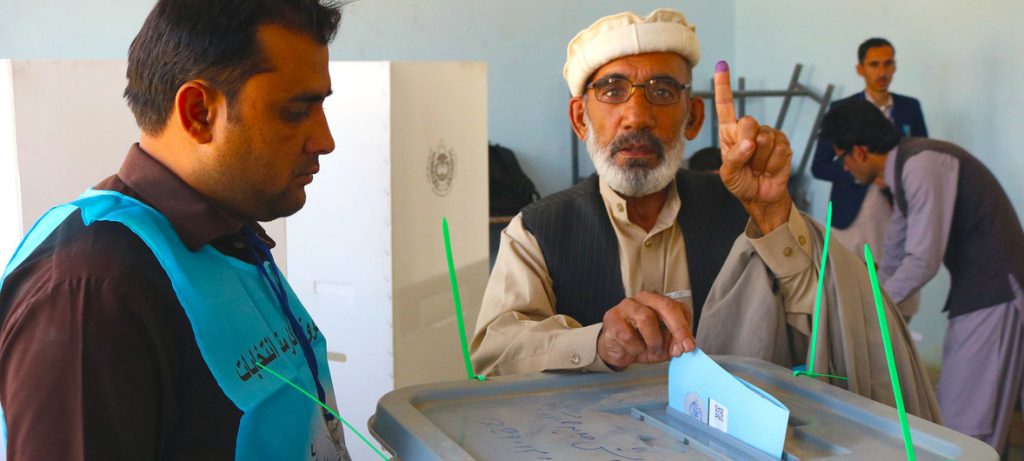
(723, 95)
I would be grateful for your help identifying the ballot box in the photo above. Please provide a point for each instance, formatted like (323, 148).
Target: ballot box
(366, 254)
(622, 416)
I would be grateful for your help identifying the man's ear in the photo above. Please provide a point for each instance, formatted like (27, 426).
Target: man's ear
(696, 118)
(861, 153)
(860, 70)
(576, 116)
(195, 109)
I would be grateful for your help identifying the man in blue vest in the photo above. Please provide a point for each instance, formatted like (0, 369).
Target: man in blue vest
(147, 319)
(861, 211)
(950, 209)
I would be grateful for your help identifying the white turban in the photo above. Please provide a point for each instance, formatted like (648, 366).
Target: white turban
(626, 34)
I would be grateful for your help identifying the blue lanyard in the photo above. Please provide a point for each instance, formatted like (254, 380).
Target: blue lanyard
(261, 249)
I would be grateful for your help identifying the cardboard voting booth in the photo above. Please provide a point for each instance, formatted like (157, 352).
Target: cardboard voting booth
(366, 253)
(559, 416)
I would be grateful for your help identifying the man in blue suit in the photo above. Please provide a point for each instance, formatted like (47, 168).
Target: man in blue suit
(860, 212)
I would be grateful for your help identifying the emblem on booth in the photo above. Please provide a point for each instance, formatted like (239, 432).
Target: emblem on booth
(441, 168)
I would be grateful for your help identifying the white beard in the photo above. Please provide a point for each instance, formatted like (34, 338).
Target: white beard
(635, 181)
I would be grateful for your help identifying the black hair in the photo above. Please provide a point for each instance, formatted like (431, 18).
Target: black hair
(705, 160)
(856, 122)
(211, 40)
(873, 42)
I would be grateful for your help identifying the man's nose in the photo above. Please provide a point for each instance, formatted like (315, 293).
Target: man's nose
(321, 141)
(639, 112)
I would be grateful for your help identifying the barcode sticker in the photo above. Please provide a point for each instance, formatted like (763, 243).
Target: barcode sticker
(718, 416)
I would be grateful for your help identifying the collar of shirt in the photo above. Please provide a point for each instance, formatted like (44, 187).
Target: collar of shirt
(196, 219)
(890, 169)
(619, 212)
(885, 107)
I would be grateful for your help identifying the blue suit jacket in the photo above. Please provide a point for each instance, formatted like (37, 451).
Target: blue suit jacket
(847, 195)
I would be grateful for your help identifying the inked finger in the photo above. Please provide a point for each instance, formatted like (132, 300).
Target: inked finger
(723, 96)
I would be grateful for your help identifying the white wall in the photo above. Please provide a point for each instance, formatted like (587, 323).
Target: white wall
(70, 130)
(10, 184)
(962, 60)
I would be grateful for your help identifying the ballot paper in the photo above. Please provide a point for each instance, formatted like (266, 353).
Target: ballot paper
(699, 388)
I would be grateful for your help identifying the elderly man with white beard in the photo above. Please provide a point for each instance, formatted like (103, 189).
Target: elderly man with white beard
(582, 277)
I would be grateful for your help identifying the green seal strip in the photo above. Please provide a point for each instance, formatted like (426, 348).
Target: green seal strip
(458, 303)
(883, 324)
(817, 306)
(336, 415)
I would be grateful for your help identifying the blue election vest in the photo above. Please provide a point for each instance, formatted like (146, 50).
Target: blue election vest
(238, 324)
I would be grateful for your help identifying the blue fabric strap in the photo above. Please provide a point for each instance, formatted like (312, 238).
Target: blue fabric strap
(261, 249)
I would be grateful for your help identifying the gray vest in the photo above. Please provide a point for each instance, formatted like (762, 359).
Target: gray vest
(582, 252)
(986, 242)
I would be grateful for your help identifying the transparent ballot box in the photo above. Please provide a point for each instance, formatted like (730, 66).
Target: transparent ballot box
(623, 416)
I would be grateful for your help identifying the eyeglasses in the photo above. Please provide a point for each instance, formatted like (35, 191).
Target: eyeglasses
(839, 158)
(659, 91)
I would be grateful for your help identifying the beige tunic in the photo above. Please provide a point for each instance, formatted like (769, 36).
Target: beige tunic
(742, 316)
(519, 330)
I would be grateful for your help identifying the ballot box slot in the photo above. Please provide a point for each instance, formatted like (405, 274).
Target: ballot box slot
(710, 442)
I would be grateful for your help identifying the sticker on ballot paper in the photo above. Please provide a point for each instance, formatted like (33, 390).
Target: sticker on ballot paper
(719, 416)
(759, 419)
(694, 406)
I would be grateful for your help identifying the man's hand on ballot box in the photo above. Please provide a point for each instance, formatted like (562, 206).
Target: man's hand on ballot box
(646, 328)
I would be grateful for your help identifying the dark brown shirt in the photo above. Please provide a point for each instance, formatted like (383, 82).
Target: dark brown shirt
(98, 359)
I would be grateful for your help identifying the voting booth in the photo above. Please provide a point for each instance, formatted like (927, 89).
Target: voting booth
(366, 254)
(625, 416)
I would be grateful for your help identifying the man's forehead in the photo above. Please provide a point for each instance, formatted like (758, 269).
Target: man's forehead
(876, 53)
(646, 64)
(294, 59)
